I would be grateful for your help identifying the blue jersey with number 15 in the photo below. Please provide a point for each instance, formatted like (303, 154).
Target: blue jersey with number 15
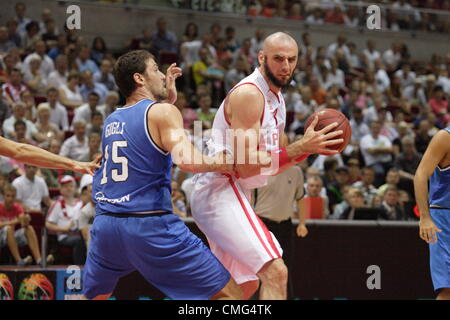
(135, 175)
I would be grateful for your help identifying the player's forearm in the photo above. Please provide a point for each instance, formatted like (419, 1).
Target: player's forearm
(41, 158)
(195, 162)
(421, 193)
(301, 211)
(53, 227)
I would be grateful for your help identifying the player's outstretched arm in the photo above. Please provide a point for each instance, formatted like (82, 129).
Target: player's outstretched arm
(41, 158)
(435, 152)
(166, 125)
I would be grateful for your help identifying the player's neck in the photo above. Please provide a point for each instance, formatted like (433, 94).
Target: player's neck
(272, 87)
(137, 96)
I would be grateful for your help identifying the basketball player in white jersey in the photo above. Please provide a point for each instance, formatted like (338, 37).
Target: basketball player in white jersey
(220, 203)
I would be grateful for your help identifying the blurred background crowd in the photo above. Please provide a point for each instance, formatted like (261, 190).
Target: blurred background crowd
(56, 89)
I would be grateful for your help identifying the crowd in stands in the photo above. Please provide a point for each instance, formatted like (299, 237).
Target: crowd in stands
(396, 15)
(57, 89)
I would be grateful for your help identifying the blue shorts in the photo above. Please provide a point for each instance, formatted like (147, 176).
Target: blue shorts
(440, 251)
(161, 248)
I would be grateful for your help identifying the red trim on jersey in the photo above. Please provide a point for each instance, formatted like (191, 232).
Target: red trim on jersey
(268, 236)
(276, 95)
(236, 191)
(237, 86)
(275, 117)
(50, 211)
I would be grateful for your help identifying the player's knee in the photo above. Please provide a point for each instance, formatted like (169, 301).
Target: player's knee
(274, 272)
(231, 291)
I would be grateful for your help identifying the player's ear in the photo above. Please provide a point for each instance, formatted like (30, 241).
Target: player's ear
(138, 78)
(261, 57)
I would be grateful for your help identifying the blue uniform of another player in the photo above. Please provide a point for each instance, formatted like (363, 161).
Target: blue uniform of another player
(439, 201)
(134, 228)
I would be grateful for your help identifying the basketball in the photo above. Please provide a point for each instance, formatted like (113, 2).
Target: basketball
(328, 116)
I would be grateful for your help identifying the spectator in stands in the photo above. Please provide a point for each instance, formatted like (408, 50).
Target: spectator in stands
(351, 16)
(94, 144)
(13, 34)
(359, 128)
(77, 145)
(98, 50)
(19, 110)
(199, 69)
(45, 127)
(85, 111)
(5, 43)
(21, 19)
(105, 76)
(439, 104)
(47, 65)
(36, 82)
(30, 37)
(392, 57)
(392, 179)
(189, 114)
(371, 54)
(31, 190)
(246, 51)
(84, 62)
(423, 137)
(111, 103)
(391, 209)
(377, 151)
(295, 13)
(356, 201)
(335, 16)
(96, 123)
(408, 160)
(230, 38)
(20, 130)
(239, 71)
(329, 170)
(51, 175)
(69, 94)
(316, 17)
(343, 205)
(11, 215)
(58, 114)
(50, 36)
(407, 77)
(314, 185)
(206, 113)
(317, 92)
(89, 86)
(162, 39)
(256, 43)
(190, 33)
(335, 189)
(63, 218)
(375, 109)
(14, 87)
(59, 76)
(354, 171)
(60, 47)
(366, 185)
(87, 212)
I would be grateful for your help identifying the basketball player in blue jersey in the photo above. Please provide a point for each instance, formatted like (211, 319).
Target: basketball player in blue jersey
(435, 209)
(134, 227)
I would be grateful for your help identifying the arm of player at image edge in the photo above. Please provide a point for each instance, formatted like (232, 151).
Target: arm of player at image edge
(167, 121)
(41, 158)
(435, 152)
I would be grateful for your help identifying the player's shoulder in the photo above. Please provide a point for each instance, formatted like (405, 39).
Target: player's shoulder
(247, 91)
(442, 137)
(162, 110)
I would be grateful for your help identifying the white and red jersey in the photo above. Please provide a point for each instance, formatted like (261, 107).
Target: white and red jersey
(273, 121)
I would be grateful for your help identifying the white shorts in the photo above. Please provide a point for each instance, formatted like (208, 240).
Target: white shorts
(19, 234)
(236, 235)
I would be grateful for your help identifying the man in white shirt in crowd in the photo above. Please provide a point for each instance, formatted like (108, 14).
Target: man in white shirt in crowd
(366, 186)
(19, 110)
(406, 76)
(383, 81)
(58, 77)
(58, 113)
(63, 217)
(85, 111)
(392, 57)
(20, 17)
(371, 54)
(377, 151)
(31, 190)
(47, 65)
(77, 145)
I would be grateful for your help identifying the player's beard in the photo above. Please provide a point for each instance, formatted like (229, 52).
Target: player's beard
(277, 82)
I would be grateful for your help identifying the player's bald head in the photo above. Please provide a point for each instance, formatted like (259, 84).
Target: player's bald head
(279, 41)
